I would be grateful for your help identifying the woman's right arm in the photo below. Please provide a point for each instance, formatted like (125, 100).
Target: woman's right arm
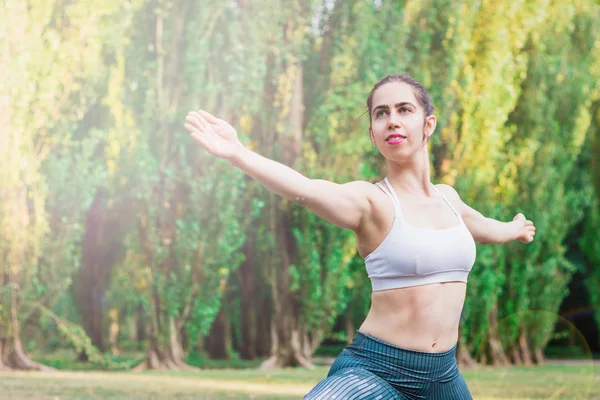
(345, 205)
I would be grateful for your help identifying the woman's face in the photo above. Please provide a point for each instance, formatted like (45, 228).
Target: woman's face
(398, 122)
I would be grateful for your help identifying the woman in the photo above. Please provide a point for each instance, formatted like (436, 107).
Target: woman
(417, 239)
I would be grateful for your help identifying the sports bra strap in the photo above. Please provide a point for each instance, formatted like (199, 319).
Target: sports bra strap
(391, 189)
(392, 195)
(447, 202)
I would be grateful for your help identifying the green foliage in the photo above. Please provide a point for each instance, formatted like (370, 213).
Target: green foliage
(191, 210)
(321, 279)
(78, 339)
(94, 98)
(590, 240)
(544, 159)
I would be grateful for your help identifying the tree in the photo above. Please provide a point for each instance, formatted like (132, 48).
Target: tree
(37, 268)
(183, 247)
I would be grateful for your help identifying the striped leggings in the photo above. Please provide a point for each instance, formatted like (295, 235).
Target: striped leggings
(370, 368)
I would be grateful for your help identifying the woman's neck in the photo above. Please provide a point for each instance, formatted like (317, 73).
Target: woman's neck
(411, 178)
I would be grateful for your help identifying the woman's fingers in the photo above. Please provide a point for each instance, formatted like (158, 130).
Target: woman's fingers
(528, 233)
(196, 133)
(190, 127)
(210, 118)
(531, 233)
(192, 122)
(196, 119)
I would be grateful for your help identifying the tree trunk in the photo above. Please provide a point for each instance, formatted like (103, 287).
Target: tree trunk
(463, 356)
(141, 332)
(286, 339)
(12, 354)
(463, 353)
(249, 292)
(286, 342)
(113, 331)
(307, 342)
(497, 354)
(201, 345)
(3, 351)
(91, 280)
(168, 356)
(350, 328)
(2, 366)
(325, 56)
(216, 342)
(524, 346)
(515, 355)
(227, 335)
(312, 342)
(19, 360)
(538, 356)
(263, 329)
(164, 348)
(288, 353)
(102, 247)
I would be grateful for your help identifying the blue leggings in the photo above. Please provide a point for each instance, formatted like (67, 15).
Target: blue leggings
(370, 368)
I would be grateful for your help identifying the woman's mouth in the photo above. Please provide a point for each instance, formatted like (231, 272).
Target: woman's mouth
(395, 139)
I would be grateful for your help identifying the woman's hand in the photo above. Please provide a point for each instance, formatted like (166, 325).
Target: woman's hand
(524, 228)
(215, 135)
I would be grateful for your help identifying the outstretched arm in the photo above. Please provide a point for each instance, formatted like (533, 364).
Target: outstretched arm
(345, 205)
(490, 231)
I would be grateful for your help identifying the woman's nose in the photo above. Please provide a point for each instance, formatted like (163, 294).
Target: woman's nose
(393, 122)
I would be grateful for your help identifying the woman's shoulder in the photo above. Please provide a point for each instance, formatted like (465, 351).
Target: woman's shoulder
(365, 184)
(447, 190)
(450, 193)
(369, 189)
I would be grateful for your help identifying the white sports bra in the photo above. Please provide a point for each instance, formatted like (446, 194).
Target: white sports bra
(411, 255)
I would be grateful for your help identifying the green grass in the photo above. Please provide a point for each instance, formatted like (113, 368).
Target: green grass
(547, 382)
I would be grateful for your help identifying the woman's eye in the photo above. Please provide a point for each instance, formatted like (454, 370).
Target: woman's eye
(380, 113)
(404, 109)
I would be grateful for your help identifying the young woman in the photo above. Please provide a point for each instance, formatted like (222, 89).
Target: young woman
(417, 240)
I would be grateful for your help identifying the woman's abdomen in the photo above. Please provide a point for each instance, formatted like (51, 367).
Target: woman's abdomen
(423, 318)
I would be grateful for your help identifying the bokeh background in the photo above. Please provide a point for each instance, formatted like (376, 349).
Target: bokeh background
(124, 245)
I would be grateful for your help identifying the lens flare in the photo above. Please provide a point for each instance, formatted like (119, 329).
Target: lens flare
(510, 361)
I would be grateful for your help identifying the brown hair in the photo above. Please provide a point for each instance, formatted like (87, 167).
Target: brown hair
(420, 92)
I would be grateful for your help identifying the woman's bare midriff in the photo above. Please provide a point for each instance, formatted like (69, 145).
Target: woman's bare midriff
(423, 318)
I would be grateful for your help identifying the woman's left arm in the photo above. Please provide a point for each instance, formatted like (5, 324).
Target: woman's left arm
(490, 231)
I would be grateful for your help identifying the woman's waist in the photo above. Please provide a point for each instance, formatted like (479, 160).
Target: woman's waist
(422, 330)
(394, 362)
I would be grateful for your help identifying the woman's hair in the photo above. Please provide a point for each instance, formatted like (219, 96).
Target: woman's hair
(420, 92)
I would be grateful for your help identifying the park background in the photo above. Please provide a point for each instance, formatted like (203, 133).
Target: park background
(123, 245)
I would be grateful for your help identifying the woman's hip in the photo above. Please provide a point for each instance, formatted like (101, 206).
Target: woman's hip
(392, 362)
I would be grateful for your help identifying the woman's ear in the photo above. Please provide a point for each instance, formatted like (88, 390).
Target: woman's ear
(430, 124)
(371, 135)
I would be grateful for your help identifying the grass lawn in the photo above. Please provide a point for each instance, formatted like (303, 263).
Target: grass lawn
(547, 382)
